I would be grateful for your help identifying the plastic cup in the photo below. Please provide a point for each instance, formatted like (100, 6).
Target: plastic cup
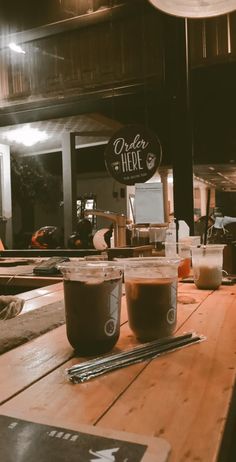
(151, 296)
(182, 251)
(207, 262)
(92, 294)
(140, 236)
(157, 235)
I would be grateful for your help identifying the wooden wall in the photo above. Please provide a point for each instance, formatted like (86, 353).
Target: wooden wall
(109, 54)
(213, 40)
(104, 55)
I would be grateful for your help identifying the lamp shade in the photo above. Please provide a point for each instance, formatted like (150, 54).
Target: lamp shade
(195, 8)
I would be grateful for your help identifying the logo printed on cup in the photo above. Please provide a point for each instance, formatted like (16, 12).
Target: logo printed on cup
(110, 327)
(171, 316)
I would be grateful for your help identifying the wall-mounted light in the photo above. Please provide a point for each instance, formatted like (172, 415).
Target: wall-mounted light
(16, 48)
(25, 135)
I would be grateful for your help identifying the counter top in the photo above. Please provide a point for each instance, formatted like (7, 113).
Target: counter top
(183, 396)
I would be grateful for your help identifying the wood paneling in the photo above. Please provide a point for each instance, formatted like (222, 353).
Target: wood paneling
(112, 53)
(212, 40)
(104, 55)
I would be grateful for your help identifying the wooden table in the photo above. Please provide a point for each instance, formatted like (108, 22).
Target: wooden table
(15, 278)
(184, 396)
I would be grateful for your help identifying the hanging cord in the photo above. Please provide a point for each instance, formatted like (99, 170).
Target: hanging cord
(111, 3)
(145, 93)
(145, 80)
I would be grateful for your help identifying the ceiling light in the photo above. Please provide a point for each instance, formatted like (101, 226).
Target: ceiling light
(195, 8)
(211, 168)
(16, 48)
(25, 135)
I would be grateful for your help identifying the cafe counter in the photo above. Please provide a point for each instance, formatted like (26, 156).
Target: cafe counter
(186, 396)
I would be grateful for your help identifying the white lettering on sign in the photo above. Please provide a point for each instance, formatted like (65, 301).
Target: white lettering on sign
(131, 153)
(131, 161)
(120, 145)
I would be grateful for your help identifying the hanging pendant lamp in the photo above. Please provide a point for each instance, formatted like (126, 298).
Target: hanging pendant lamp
(195, 8)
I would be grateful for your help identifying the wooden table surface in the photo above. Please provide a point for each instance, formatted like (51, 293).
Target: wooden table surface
(22, 275)
(183, 396)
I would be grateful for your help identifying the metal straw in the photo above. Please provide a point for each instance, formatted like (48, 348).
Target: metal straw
(85, 371)
(207, 218)
(127, 353)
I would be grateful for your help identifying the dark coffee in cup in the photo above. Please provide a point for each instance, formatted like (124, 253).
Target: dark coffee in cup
(93, 314)
(151, 305)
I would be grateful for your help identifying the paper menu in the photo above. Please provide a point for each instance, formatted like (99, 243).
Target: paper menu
(148, 203)
(35, 442)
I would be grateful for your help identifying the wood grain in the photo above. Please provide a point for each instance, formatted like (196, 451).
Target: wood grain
(187, 394)
(50, 349)
(183, 396)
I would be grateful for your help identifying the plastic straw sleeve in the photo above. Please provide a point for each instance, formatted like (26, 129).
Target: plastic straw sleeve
(135, 356)
(115, 356)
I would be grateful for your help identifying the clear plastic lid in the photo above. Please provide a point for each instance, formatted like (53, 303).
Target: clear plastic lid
(151, 267)
(82, 270)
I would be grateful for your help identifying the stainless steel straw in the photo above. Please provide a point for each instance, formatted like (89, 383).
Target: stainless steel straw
(98, 366)
(207, 218)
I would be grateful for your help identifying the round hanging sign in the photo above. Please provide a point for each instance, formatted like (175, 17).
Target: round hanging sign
(133, 154)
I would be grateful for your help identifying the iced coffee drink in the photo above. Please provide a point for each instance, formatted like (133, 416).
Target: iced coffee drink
(151, 305)
(151, 296)
(207, 264)
(92, 293)
(207, 277)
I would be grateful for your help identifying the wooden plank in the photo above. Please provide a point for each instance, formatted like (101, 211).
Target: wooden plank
(13, 279)
(48, 396)
(38, 357)
(187, 394)
(46, 299)
(89, 400)
(29, 362)
(30, 294)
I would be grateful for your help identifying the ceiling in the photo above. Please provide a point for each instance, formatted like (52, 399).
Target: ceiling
(95, 129)
(92, 129)
(220, 176)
